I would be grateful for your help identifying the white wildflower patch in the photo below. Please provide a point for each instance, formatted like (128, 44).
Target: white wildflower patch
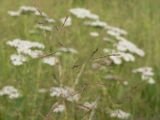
(118, 57)
(88, 106)
(83, 13)
(50, 60)
(17, 60)
(94, 34)
(34, 53)
(66, 21)
(24, 49)
(26, 44)
(125, 83)
(58, 108)
(96, 23)
(10, 91)
(115, 31)
(41, 14)
(49, 20)
(125, 45)
(27, 10)
(146, 74)
(44, 27)
(14, 13)
(119, 114)
(65, 92)
(125, 51)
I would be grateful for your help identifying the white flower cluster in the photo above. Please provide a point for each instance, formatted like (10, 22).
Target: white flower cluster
(65, 92)
(26, 9)
(32, 10)
(83, 13)
(22, 45)
(124, 51)
(115, 31)
(96, 23)
(10, 91)
(124, 45)
(146, 74)
(50, 60)
(94, 34)
(117, 57)
(66, 21)
(44, 27)
(119, 114)
(25, 48)
(58, 108)
(49, 20)
(18, 59)
(88, 106)
(123, 48)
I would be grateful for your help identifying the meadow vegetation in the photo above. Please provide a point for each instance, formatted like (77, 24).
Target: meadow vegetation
(73, 68)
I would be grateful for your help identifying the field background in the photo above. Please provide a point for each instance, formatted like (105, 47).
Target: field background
(141, 18)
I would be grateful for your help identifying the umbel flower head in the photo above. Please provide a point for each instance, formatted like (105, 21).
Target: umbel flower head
(65, 92)
(10, 91)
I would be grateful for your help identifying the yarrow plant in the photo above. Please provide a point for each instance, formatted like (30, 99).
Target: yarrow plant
(119, 114)
(10, 91)
(146, 74)
(65, 92)
(120, 51)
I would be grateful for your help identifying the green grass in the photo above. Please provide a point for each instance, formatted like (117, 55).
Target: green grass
(140, 18)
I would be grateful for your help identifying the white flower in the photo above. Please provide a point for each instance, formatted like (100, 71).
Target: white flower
(24, 48)
(115, 31)
(65, 92)
(24, 44)
(127, 57)
(88, 106)
(106, 50)
(94, 34)
(57, 91)
(116, 59)
(17, 59)
(14, 13)
(83, 13)
(125, 45)
(146, 74)
(25, 9)
(43, 27)
(119, 114)
(125, 82)
(57, 108)
(68, 21)
(35, 53)
(96, 23)
(151, 81)
(41, 14)
(10, 91)
(50, 60)
(28, 9)
(146, 71)
(49, 20)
